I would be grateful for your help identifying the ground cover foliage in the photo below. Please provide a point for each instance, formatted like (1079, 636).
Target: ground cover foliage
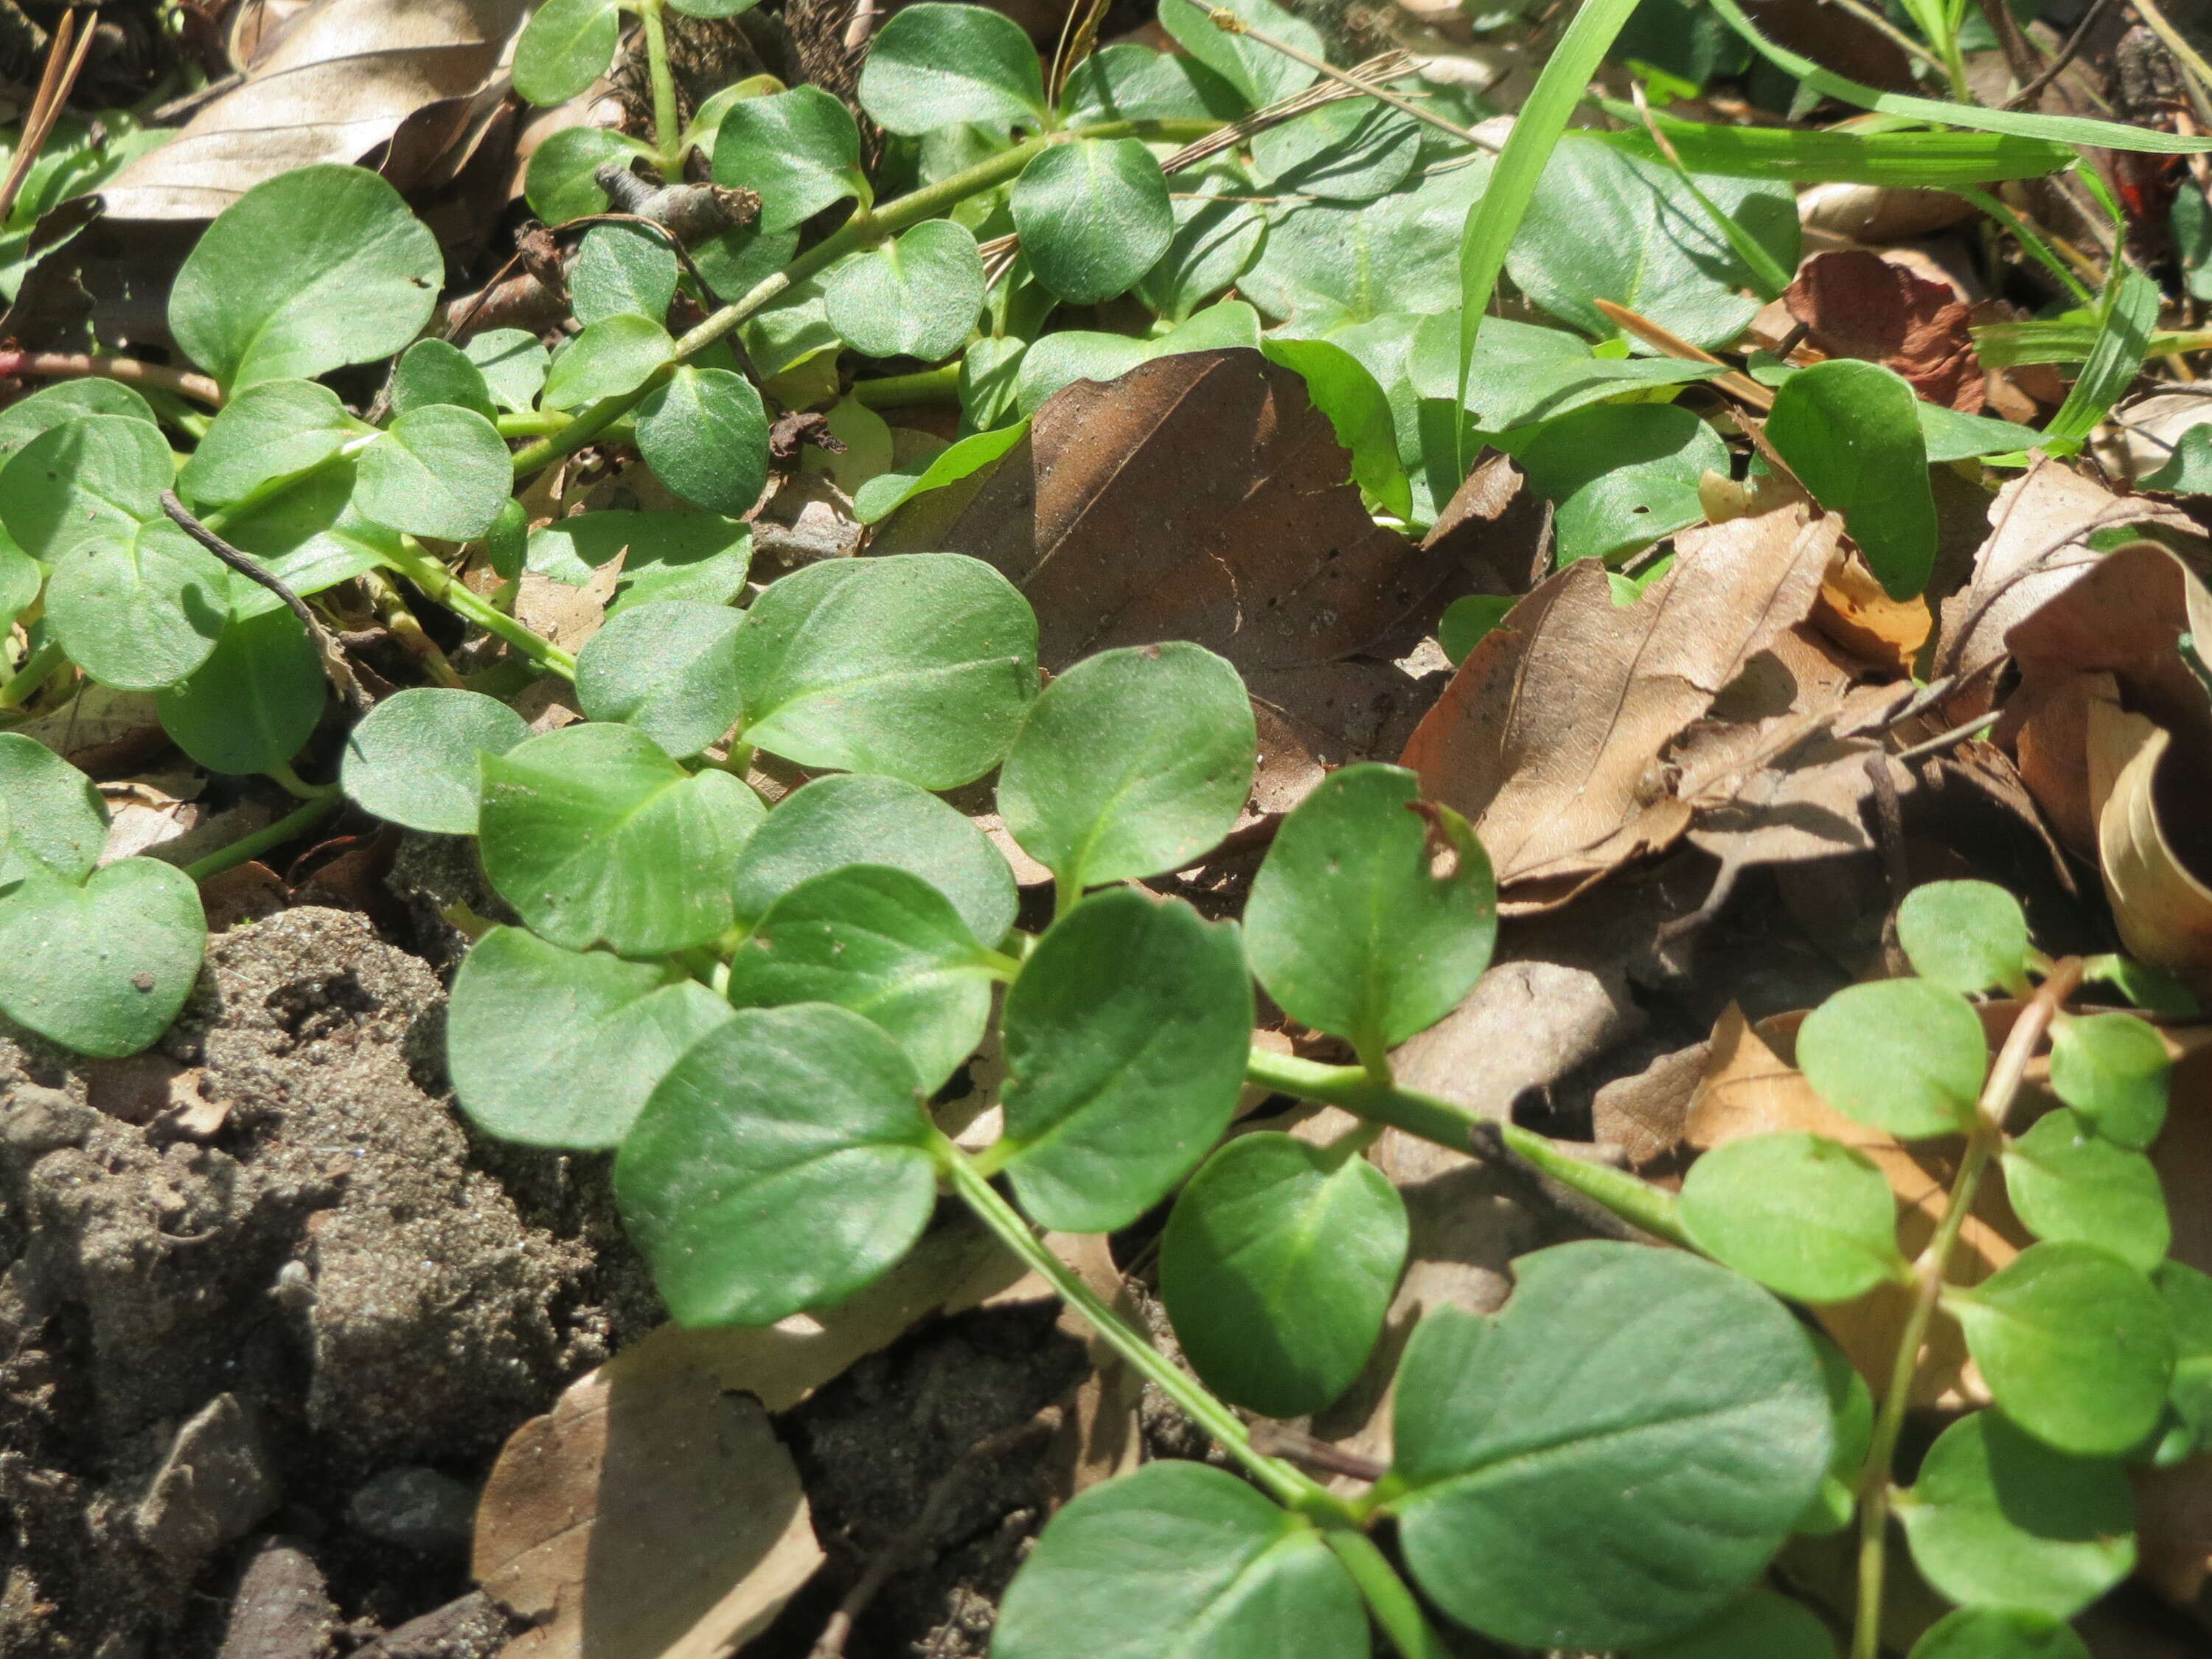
(1003, 635)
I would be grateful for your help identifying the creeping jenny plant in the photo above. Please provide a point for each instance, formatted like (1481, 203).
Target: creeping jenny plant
(755, 1006)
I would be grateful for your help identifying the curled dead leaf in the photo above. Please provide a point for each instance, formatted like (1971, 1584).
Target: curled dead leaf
(1855, 303)
(333, 83)
(1551, 735)
(2146, 791)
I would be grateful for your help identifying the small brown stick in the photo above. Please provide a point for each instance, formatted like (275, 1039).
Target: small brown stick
(2067, 53)
(915, 1539)
(333, 657)
(1739, 385)
(1275, 1440)
(78, 366)
(1957, 734)
(54, 87)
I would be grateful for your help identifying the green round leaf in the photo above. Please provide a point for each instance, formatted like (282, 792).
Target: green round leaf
(1132, 762)
(559, 183)
(611, 356)
(441, 470)
(2066, 1182)
(1342, 388)
(1540, 1448)
(1351, 150)
(1756, 1625)
(1851, 431)
(1060, 359)
(800, 149)
(885, 943)
(269, 431)
(1901, 1054)
(1184, 1559)
(65, 401)
(712, 8)
(700, 556)
(738, 1182)
(1966, 936)
(2187, 1294)
(565, 46)
(1350, 928)
(668, 668)
(919, 665)
(705, 435)
(595, 836)
(88, 480)
(1278, 1266)
(1998, 1634)
(1128, 83)
(438, 372)
(858, 817)
(101, 968)
(1093, 217)
(254, 702)
(1126, 1038)
(555, 1048)
(56, 822)
(2075, 1345)
(2000, 1519)
(1836, 1505)
(305, 272)
(140, 612)
(2112, 1069)
(1259, 73)
(412, 759)
(1803, 1215)
(1622, 475)
(915, 297)
(512, 363)
(1217, 236)
(1605, 225)
(621, 270)
(20, 578)
(1330, 265)
(935, 66)
(1466, 620)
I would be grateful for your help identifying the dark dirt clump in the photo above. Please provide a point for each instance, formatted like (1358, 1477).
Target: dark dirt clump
(260, 1282)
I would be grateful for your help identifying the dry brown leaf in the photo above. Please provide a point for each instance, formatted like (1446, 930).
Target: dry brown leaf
(1550, 735)
(1750, 1088)
(1312, 720)
(1857, 304)
(649, 1514)
(99, 729)
(2036, 549)
(1198, 497)
(2117, 622)
(2146, 791)
(567, 613)
(1880, 213)
(334, 83)
(1854, 612)
(955, 1266)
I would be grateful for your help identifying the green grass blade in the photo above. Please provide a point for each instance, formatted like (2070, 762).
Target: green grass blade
(1492, 223)
(2011, 345)
(2060, 129)
(2129, 307)
(1903, 160)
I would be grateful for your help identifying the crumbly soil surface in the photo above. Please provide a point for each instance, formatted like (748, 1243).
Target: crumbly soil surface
(268, 1310)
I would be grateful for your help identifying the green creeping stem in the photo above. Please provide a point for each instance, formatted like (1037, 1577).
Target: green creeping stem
(863, 230)
(1391, 1605)
(1432, 1118)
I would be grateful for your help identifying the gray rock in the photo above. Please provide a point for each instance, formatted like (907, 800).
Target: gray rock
(282, 1608)
(214, 1485)
(416, 1508)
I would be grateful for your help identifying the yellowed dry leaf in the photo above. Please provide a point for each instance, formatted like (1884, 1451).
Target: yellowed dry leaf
(649, 1514)
(1550, 736)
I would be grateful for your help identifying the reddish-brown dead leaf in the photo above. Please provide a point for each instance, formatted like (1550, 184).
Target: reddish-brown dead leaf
(1198, 497)
(1857, 304)
(1551, 734)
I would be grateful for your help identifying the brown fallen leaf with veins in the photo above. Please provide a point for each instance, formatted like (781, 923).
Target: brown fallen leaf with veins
(341, 79)
(649, 1514)
(2037, 548)
(1197, 497)
(1550, 736)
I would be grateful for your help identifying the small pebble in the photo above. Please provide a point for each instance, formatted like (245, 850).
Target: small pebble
(417, 1508)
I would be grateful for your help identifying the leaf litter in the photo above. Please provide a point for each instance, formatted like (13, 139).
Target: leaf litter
(1705, 778)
